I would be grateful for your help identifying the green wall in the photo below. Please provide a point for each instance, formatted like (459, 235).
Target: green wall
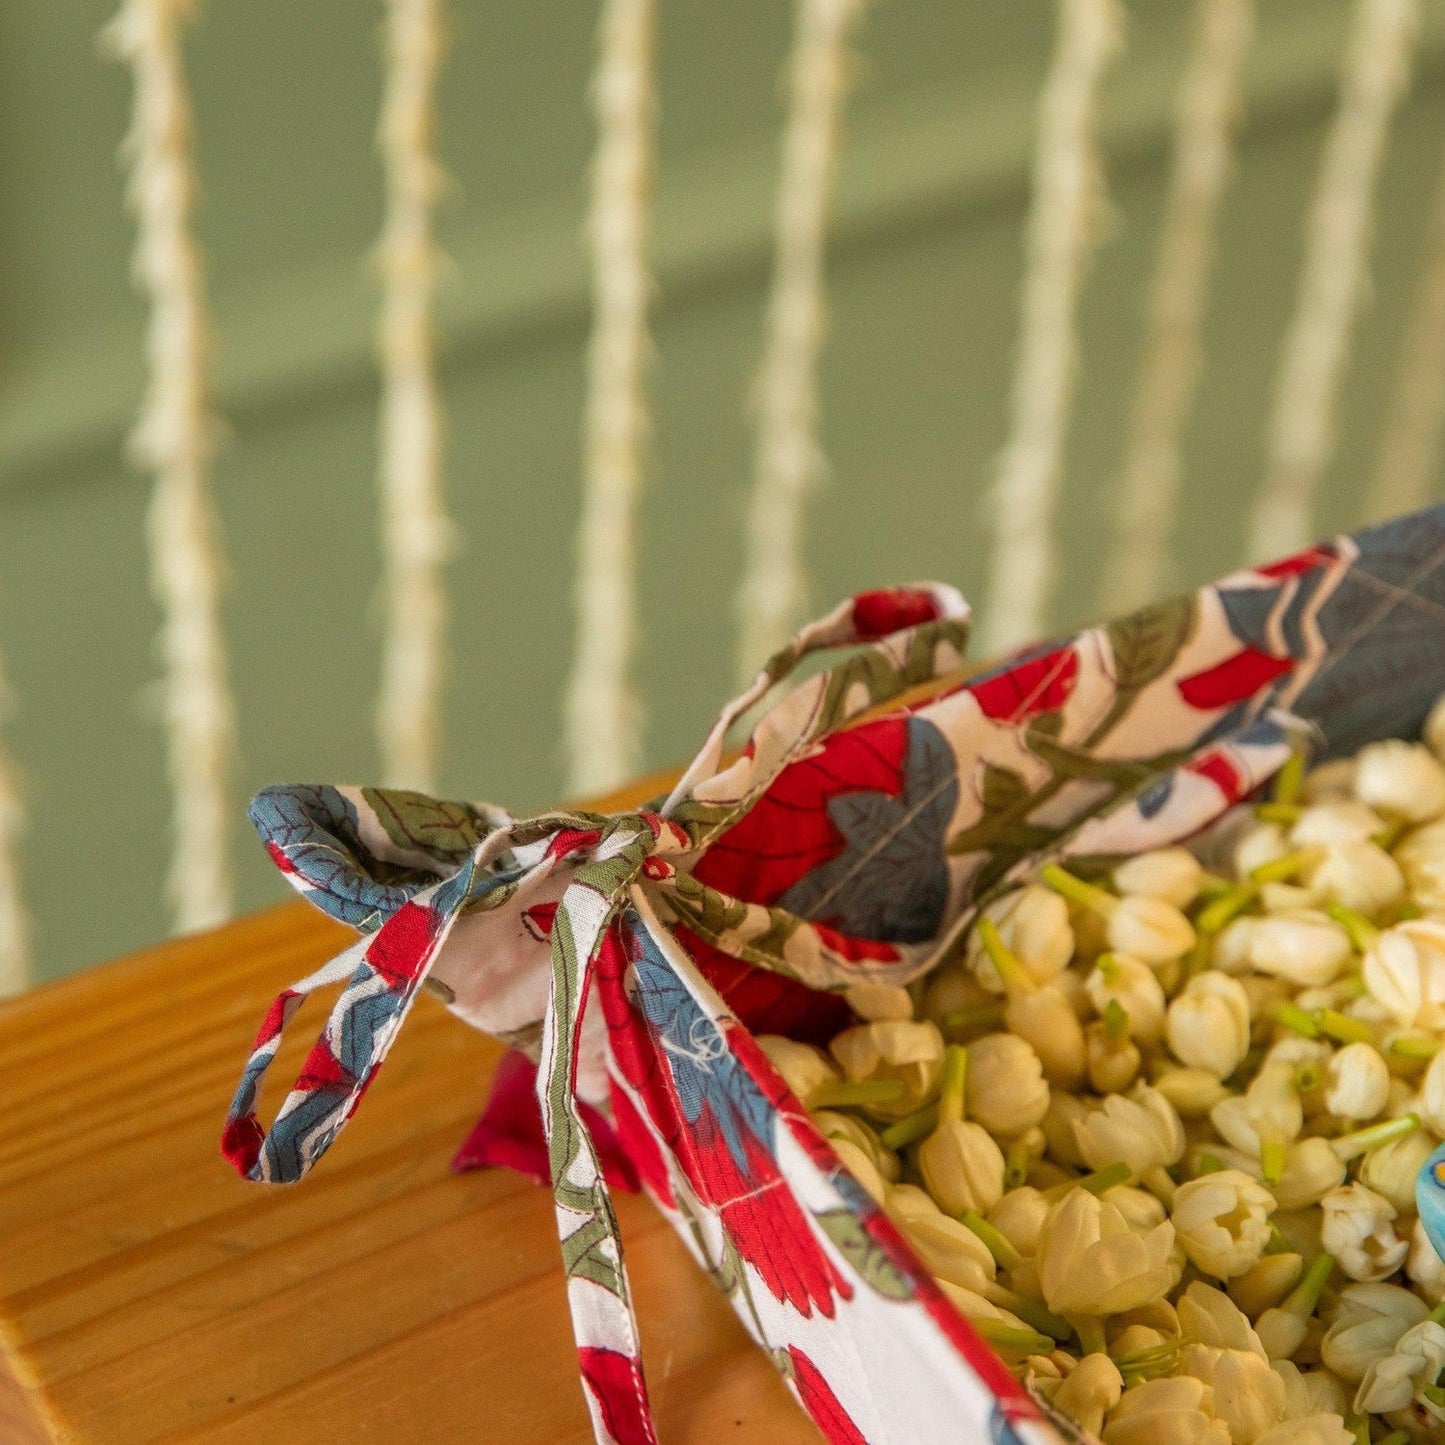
(925, 277)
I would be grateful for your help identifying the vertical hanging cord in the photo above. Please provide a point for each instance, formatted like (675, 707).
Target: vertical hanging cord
(603, 713)
(416, 535)
(1067, 194)
(788, 458)
(15, 962)
(175, 438)
(1139, 561)
(1410, 451)
(1334, 278)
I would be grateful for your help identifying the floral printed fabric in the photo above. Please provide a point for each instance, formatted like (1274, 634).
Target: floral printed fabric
(633, 955)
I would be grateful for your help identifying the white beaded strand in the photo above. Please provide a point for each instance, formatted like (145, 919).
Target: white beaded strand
(416, 533)
(1334, 279)
(1138, 567)
(15, 955)
(603, 712)
(1410, 450)
(1067, 196)
(175, 438)
(788, 457)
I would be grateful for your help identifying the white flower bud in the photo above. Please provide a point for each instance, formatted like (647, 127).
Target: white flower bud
(804, 1069)
(1306, 947)
(1368, 1325)
(951, 1250)
(1149, 929)
(1112, 1064)
(1006, 1091)
(1265, 1283)
(1140, 1130)
(1091, 1262)
(1248, 1396)
(1092, 1389)
(1311, 1170)
(1358, 1229)
(1433, 732)
(1020, 1217)
(1129, 982)
(1141, 1210)
(1424, 1266)
(1177, 1411)
(1046, 1021)
(876, 1001)
(1064, 1111)
(1208, 1024)
(900, 1049)
(962, 1167)
(1395, 1380)
(952, 987)
(1400, 779)
(1288, 897)
(1357, 1083)
(1033, 922)
(1172, 874)
(1331, 781)
(1209, 1317)
(835, 1126)
(1222, 1222)
(1362, 876)
(1325, 824)
(1392, 1169)
(1264, 843)
(1421, 856)
(1193, 1092)
(1310, 1392)
(1325, 1427)
(1268, 1112)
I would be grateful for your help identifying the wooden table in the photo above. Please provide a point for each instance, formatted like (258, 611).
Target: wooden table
(147, 1293)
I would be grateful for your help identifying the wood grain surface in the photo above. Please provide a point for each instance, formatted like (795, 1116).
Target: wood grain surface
(147, 1293)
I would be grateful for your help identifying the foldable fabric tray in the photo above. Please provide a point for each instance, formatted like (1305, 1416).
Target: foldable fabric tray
(635, 956)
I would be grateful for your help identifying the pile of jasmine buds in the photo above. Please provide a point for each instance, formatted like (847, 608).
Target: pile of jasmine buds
(1157, 1132)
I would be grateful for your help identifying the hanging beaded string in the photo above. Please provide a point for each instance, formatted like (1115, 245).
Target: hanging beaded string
(416, 534)
(1410, 449)
(1334, 276)
(1067, 195)
(175, 439)
(15, 962)
(788, 457)
(1139, 562)
(603, 712)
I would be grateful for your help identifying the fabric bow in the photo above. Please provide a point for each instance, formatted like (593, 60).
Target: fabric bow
(488, 884)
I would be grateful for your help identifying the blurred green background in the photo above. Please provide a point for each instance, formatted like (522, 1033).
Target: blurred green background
(925, 275)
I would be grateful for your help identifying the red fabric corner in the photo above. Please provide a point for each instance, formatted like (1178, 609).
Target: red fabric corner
(509, 1133)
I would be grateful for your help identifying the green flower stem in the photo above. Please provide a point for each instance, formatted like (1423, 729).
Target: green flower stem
(1437, 1315)
(1285, 813)
(856, 1094)
(1304, 1298)
(1086, 895)
(999, 1244)
(1116, 1021)
(1298, 1019)
(911, 1128)
(1108, 967)
(1030, 1311)
(1199, 956)
(1342, 1027)
(951, 1089)
(1109, 1177)
(1386, 838)
(1016, 1165)
(1407, 910)
(1307, 1077)
(1278, 1244)
(1435, 1394)
(986, 1016)
(1362, 932)
(1289, 781)
(1090, 1330)
(1211, 885)
(1351, 1146)
(1271, 1159)
(1208, 1164)
(1287, 868)
(1413, 1046)
(1016, 978)
(1010, 1337)
(1396, 1437)
(1219, 911)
